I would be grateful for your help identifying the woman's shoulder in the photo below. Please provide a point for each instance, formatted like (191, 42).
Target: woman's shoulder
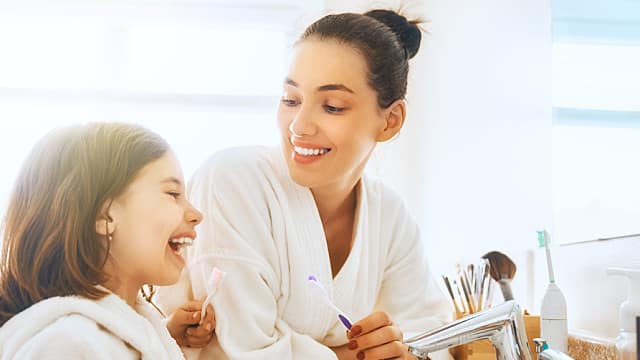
(245, 158)
(379, 193)
(240, 164)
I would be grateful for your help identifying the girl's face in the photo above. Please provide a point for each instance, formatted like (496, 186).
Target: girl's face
(150, 220)
(329, 117)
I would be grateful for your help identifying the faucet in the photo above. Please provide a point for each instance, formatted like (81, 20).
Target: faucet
(502, 324)
(544, 353)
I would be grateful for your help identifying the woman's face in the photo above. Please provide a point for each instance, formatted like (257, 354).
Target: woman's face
(329, 118)
(150, 220)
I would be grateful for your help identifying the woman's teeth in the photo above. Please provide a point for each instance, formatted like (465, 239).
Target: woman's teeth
(309, 152)
(177, 245)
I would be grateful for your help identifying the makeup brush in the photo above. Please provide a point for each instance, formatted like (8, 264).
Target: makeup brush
(502, 270)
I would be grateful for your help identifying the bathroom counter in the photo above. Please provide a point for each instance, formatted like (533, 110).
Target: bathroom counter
(583, 346)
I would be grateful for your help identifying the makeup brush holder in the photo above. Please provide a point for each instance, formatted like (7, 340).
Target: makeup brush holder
(484, 350)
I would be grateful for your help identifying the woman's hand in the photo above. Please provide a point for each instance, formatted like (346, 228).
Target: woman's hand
(183, 325)
(375, 337)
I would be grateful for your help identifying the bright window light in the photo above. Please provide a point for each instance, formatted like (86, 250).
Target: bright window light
(596, 131)
(595, 182)
(48, 54)
(596, 76)
(202, 82)
(206, 61)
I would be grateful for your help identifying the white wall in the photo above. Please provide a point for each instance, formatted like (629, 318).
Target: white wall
(474, 161)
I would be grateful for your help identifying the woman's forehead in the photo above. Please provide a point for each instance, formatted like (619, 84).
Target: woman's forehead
(319, 62)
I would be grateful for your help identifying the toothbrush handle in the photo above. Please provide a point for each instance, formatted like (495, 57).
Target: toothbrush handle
(203, 310)
(505, 286)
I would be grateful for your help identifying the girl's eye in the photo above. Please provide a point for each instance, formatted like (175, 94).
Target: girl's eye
(174, 194)
(289, 102)
(333, 109)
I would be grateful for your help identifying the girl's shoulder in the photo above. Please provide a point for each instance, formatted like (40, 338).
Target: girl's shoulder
(51, 329)
(72, 336)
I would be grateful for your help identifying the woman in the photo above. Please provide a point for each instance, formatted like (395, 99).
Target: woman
(275, 218)
(97, 212)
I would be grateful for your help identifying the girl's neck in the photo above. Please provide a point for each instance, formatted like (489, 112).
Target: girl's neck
(126, 290)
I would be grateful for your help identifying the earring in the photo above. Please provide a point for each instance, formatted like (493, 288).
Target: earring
(109, 235)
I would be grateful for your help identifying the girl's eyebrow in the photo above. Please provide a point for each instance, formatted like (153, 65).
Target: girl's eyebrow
(172, 180)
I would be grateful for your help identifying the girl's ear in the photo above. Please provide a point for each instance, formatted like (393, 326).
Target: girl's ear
(394, 117)
(105, 224)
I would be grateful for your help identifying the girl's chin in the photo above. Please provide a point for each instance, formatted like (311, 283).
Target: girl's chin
(168, 279)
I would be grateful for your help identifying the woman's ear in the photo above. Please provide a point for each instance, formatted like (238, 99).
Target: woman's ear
(105, 225)
(394, 116)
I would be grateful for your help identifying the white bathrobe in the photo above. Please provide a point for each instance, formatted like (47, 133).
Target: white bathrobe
(264, 230)
(78, 328)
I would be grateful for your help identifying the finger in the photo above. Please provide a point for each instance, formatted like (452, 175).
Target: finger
(192, 305)
(391, 350)
(377, 337)
(199, 341)
(186, 317)
(210, 317)
(200, 331)
(372, 322)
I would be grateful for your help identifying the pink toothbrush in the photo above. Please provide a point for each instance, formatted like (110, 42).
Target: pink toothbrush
(216, 278)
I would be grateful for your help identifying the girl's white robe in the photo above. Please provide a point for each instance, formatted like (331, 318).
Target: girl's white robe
(73, 327)
(265, 232)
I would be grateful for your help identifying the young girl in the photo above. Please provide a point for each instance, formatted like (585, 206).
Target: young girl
(277, 217)
(97, 212)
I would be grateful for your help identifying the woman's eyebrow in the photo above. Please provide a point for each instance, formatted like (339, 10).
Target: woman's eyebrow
(327, 87)
(333, 87)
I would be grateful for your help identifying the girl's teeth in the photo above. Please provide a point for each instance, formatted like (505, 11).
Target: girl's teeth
(178, 245)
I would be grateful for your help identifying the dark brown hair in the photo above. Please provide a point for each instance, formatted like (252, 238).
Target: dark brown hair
(386, 39)
(50, 245)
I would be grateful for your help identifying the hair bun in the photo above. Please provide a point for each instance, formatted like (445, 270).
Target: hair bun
(407, 31)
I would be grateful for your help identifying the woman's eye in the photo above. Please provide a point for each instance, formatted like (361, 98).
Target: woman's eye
(289, 102)
(333, 109)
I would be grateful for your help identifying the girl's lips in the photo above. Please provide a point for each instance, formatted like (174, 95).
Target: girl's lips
(178, 255)
(185, 234)
(178, 242)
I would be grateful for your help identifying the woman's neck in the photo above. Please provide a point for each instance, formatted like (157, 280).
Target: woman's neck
(335, 203)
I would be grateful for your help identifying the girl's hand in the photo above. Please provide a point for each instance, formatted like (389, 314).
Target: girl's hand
(183, 325)
(375, 337)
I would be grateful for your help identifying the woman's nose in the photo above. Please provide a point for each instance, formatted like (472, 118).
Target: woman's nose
(302, 124)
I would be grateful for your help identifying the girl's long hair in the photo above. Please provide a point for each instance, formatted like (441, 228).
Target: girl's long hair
(50, 246)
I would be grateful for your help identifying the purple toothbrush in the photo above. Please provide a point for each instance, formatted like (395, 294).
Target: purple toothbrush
(343, 318)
